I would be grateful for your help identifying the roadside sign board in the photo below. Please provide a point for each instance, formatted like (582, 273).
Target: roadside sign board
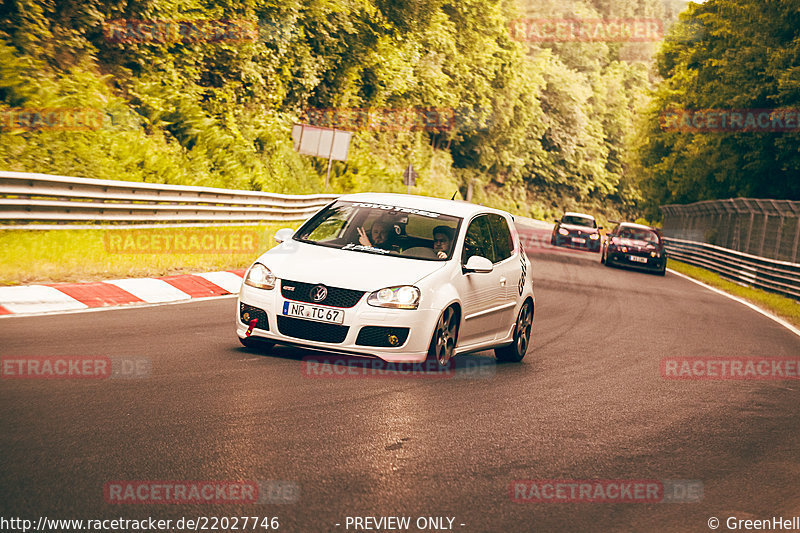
(321, 142)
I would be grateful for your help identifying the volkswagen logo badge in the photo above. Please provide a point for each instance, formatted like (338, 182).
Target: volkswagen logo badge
(318, 293)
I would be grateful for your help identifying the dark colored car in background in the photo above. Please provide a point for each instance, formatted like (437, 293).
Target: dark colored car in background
(577, 230)
(636, 246)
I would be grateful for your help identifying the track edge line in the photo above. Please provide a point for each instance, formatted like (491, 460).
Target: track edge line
(742, 301)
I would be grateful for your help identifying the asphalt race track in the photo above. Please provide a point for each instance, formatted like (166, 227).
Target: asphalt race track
(587, 403)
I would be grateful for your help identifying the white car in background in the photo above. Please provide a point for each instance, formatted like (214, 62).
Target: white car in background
(362, 277)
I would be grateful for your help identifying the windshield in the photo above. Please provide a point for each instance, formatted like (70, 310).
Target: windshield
(382, 229)
(578, 221)
(636, 234)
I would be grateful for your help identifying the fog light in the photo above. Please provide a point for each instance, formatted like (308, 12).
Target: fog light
(393, 340)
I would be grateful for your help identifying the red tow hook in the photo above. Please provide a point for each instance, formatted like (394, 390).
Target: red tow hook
(250, 329)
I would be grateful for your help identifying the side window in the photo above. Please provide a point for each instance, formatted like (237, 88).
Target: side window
(478, 240)
(503, 242)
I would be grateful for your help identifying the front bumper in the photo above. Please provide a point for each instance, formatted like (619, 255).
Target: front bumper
(362, 328)
(655, 264)
(592, 245)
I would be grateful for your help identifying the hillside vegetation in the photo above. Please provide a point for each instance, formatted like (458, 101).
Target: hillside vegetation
(534, 127)
(745, 64)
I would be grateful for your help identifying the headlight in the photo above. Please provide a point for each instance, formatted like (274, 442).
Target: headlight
(562, 231)
(260, 277)
(623, 248)
(594, 236)
(403, 297)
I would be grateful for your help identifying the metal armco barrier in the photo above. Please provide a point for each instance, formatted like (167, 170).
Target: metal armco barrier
(776, 276)
(761, 227)
(51, 201)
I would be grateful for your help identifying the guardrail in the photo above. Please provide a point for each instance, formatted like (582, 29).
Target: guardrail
(777, 276)
(762, 227)
(56, 201)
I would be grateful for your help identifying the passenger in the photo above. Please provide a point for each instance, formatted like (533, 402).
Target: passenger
(381, 235)
(442, 241)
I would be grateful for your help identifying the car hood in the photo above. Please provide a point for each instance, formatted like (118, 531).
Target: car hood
(634, 243)
(349, 269)
(584, 229)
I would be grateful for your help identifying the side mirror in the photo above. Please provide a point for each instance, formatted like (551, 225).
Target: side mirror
(478, 264)
(283, 234)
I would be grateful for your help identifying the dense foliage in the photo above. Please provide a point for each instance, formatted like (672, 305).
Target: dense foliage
(746, 57)
(537, 126)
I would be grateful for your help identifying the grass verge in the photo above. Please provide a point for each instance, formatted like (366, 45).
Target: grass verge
(50, 256)
(784, 307)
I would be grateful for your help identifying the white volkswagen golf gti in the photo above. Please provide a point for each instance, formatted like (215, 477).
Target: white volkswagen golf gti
(400, 277)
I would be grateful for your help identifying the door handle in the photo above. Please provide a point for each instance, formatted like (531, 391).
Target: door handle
(502, 282)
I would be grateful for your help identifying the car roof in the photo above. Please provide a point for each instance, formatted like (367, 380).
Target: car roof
(456, 208)
(636, 226)
(574, 214)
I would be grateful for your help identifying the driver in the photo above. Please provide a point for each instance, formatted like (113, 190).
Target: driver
(380, 235)
(442, 241)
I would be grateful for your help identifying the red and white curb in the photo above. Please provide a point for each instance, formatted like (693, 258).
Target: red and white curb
(62, 297)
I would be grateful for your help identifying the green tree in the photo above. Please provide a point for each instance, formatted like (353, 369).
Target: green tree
(744, 54)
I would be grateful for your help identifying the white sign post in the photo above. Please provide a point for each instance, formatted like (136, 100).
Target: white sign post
(410, 177)
(322, 142)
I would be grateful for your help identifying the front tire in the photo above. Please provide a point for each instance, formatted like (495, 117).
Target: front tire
(514, 352)
(445, 338)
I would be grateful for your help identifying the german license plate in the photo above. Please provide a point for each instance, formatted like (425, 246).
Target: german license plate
(578, 240)
(313, 312)
(637, 259)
